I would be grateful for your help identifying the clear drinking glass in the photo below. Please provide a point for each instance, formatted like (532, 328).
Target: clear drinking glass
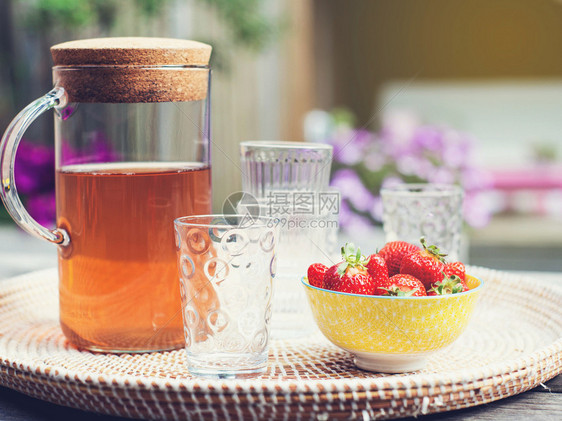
(433, 211)
(290, 166)
(289, 181)
(226, 266)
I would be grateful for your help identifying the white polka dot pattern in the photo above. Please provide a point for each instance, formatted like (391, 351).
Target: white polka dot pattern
(513, 343)
(394, 325)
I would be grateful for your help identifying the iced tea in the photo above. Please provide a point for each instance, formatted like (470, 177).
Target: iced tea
(118, 286)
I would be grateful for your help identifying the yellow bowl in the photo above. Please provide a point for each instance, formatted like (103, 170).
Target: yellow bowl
(392, 334)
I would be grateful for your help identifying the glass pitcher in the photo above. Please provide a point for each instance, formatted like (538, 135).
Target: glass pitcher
(132, 140)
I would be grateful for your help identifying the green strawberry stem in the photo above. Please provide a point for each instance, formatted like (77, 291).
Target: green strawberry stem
(433, 250)
(449, 285)
(352, 257)
(397, 292)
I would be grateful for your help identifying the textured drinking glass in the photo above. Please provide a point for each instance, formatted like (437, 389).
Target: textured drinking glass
(276, 165)
(289, 181)
(226, 266)
(433, 211)
(308, 222)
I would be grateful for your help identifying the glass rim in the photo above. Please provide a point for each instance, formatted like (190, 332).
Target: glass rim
(423, 189)
(285, 144)
(190, 221)
(67, 67)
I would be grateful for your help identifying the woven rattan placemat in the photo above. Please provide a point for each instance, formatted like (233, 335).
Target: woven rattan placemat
(514, 343)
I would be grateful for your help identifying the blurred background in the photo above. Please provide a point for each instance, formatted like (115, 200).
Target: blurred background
(468, 92)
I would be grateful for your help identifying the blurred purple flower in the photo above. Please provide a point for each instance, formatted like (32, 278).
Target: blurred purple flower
(350, 145)
(414, 165)
(101, 150)
(391, 181)
(42, 207)
(427, 139)
(352, 221)
(67, 112)
(476, 179)
(376, 212)
(442, 175)
(97, 149)
(35, 171)
(374, 160)
(351, 188)
(34, 168)
(406, 151)
(457, 150)
(476, 209)
(399, 124)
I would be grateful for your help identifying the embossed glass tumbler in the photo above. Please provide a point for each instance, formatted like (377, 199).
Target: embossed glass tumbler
(226, 265)
(290, 182)
(433, 211)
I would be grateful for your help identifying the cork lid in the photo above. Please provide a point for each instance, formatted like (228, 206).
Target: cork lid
(132, 69)
(131, 51)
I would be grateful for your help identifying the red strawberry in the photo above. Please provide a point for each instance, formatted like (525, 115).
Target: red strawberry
(393, 252)
(332, 280)
(449, 285)
(316, 273)
(405, 286)
(455, 268)
(426, 265)
(350, 275)
(376, 266)
(357, 283)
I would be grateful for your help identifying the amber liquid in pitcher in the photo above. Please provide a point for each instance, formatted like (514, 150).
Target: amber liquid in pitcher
(119, 289)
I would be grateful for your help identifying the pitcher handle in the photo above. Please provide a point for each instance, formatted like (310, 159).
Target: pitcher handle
(8, 147)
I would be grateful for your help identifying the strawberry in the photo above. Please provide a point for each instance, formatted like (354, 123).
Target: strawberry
(357, 283)
(393, 252)
(376, 266)
(402, 285)
(316, 273)
(350, 275)
(332, 280)
(449, 285)
(426, 265)
(455, 268)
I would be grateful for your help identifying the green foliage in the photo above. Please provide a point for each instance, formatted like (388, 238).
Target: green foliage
(249, 26)
(5, 217)
(544, 152)
(75, 14)
(45, 13)
(150, 7)
(343, 117)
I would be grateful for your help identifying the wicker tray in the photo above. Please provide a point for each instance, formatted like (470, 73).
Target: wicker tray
(514, 343)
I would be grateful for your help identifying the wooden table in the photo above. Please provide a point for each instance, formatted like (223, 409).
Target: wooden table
(20, 254)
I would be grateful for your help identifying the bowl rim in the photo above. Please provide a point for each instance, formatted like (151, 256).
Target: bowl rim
(304, 281)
